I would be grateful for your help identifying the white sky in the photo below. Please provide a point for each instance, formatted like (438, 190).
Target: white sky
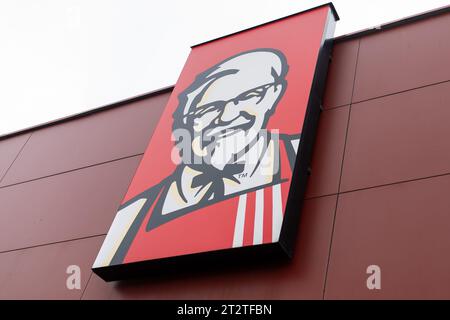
(61, 57)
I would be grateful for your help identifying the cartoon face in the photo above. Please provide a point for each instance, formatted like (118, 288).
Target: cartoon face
(229, 104)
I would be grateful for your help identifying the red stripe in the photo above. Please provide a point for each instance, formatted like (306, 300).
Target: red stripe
(268, 205)
(249, 223)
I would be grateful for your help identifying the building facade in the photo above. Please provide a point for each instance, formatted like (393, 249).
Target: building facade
(378, 193)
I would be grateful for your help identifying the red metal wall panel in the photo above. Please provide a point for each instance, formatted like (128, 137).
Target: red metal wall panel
(101, 137)
(67, 206)
(402, 228)
(9, 150)
(341, 74)
(40, 272)
(403, 58)
(399, 137)
(328, 152)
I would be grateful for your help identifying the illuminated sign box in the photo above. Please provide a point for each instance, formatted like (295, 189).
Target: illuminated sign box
(224, 174)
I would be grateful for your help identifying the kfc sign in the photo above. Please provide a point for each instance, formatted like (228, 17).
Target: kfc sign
(223, 176)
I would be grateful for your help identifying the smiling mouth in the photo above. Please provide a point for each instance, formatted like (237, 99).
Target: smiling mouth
(220, 129)
(221, 132)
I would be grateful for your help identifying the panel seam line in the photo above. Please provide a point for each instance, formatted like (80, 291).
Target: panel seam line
(15, 158)
(52, 243)
(71, 170)
(340, 176)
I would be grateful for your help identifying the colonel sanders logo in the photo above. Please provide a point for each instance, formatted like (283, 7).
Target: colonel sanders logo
(223, 150)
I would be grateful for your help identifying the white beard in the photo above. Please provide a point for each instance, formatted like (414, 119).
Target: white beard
(227, 147)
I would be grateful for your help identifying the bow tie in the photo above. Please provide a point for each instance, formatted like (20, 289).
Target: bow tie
(216, 177)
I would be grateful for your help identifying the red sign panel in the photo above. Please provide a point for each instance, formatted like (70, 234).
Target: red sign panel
(226, 167)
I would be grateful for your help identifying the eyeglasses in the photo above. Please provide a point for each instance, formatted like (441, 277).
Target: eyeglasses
(258, 92)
